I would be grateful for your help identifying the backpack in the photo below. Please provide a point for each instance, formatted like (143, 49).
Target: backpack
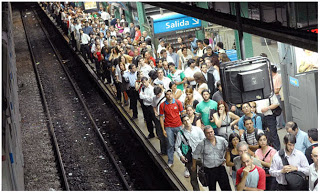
(296, 180)
(255, 135)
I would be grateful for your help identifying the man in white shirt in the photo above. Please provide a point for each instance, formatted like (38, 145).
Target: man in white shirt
(265, 107)
(143, 67)
(313, 171)
(77, 28)
(296, 159)
(159, 98)
(201, 48)
(194, 135)
(160, 47)
(162, 81)
(189, 72)
(147, 95)
(84, 48)
(105, 16)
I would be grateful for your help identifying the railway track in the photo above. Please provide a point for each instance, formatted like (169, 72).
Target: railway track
(84, 159)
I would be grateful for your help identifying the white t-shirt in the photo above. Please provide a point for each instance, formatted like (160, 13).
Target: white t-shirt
(189, 73)
(265, 103)
(165, 82)
(145, 70)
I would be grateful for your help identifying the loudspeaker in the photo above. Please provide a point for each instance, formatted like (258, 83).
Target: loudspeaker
(246, 80)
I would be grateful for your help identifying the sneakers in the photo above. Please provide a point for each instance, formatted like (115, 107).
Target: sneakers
(170, 165)
(186, 173)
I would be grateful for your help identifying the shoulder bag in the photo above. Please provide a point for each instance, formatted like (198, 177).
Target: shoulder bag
(186, 148)
(266, 169)
(277, 111)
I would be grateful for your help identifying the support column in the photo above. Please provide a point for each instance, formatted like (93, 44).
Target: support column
(117, 13)
(128, 13)
(243, 40)
(204, 24)
(141, 15)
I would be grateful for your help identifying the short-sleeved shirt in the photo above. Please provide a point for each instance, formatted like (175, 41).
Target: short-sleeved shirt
(178, 76)
(211, 156)
(255, 179)
(204, 109)
(171, 113)
(260, 155)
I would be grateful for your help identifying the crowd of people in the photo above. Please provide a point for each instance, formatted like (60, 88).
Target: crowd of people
(180, 94)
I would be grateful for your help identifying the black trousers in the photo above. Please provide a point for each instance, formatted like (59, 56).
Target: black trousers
(133, 95)
(271, 123)
(85, 51)
(271, 183)
(281, 187)
(217, 174)
(150, 119)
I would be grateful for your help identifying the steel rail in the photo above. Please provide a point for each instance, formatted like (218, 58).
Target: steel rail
(45, 104)
(154, 154)
(78, 92)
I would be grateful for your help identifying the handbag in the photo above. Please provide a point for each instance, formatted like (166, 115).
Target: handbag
(201, 174)
(186, 148)
(277, 111)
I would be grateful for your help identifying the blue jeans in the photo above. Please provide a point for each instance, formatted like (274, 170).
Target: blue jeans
(171, 131)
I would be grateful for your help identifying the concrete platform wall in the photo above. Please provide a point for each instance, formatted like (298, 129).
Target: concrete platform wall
(12, 158)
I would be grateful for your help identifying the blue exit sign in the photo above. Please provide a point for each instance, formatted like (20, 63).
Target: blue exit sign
(174, 23)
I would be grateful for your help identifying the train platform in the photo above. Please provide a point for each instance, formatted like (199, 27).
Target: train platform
(176, 172)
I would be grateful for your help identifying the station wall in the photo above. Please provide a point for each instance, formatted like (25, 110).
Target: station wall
(12, 158)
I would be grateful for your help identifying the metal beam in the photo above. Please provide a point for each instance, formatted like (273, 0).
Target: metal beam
(295, 37)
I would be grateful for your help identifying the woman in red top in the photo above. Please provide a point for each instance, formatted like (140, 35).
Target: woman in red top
(98, 58)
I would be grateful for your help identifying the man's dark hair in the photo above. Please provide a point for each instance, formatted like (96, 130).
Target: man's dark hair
(190, 36)
(131, 66)
(171, 64)
(313, 133)
(190, 61)
(289, 138)
(200, 41)
(157, 90)
(220, 45)
(205, 90)
(144, 79)
(138, 26)
(244, 104)
(183, 116)
(246, 118)
(206, 41)
(218, 84)
(291, 124)
(273, 68)
(162, 51)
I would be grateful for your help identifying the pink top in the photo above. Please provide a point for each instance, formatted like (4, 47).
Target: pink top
(268, 158)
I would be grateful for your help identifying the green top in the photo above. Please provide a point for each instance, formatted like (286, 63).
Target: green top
(178, 76)
(204, 109)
